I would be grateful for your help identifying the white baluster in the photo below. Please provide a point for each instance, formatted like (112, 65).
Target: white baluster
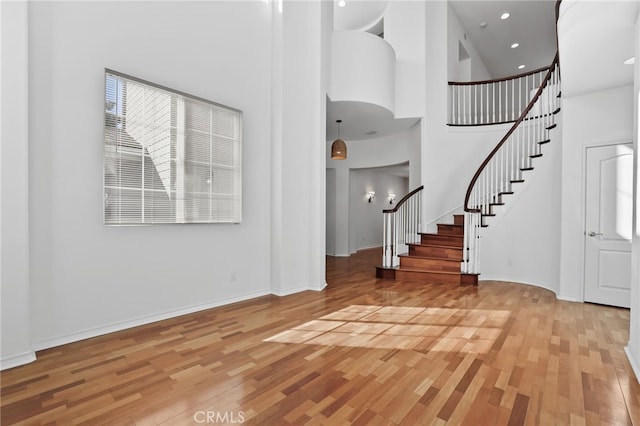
(464, 104)
(513, 94)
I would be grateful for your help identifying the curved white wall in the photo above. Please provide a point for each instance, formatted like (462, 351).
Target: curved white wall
(362, 69)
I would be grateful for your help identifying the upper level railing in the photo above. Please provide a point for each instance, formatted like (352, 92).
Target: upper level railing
(401, 227)
(476, 103)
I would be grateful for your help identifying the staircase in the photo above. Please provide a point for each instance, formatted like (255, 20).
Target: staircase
(452, 255)
(435, 258)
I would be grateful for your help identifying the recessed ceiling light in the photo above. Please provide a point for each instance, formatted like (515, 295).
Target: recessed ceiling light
(342, 3)
(520, 66)
(505, 15)
(514, 45)
(630, 61)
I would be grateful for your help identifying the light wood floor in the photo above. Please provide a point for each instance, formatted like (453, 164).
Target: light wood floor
(362, 352)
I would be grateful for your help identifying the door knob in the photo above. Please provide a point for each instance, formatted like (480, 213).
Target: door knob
(595, 234)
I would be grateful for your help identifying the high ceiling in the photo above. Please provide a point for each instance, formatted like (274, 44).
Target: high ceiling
(532, 24)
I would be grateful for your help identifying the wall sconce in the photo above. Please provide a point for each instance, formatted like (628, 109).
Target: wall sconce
(371, 195)
(391, 197)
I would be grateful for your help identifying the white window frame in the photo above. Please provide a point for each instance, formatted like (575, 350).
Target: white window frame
(169, 157)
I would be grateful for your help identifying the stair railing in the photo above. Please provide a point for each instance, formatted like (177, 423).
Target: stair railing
(479, 103)
(505, 165)
(401, 227)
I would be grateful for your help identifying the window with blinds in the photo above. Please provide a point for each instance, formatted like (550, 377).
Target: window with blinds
(169, 157)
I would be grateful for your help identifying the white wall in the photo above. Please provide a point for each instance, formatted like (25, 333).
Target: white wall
(87, 278)
(363, 69)
(522, 243)
(474, 68)
(404, 30)
(298, 188)
(14, 226)
(330, 212)
(366, 217)
(585, 123)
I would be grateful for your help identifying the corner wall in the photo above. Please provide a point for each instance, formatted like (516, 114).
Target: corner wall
(633, 348)
(14, 205)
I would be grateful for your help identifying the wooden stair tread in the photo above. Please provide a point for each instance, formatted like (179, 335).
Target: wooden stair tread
(426, 271)
(431, 234)
(411, 256)
(434, 246)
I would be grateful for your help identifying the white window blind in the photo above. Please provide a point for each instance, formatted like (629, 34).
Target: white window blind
(169, 157)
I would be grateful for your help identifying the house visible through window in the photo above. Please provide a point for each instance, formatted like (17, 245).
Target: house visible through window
(169, 157)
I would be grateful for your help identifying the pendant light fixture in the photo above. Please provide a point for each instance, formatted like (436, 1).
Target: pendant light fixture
(338, 147)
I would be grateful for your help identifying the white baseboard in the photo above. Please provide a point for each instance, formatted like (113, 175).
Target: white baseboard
(135, 322)
(148, 319)
(485, 278)
(635, 364)
(298, 289)
(17, 360)
(566, 298)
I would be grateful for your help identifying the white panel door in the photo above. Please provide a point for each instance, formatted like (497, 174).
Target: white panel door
(609, 204)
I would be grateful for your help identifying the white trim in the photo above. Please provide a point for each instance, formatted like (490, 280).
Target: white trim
(635, 364)
(299, 289)
(369, 248)
(148, 319)
(17, 360)
(135, 322)
(340, 254)
(501, 128)
(583, 207)
(566, 298)
(544, 287)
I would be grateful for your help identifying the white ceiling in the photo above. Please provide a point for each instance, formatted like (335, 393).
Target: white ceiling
(531, 24)
(533, 21)
(362, 121)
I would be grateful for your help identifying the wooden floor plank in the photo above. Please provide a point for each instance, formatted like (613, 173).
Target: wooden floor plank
(361, 352)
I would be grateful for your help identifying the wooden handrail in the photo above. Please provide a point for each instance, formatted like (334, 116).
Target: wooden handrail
(498, 80)
(405, 198)
(506, 137)
(551, 69)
